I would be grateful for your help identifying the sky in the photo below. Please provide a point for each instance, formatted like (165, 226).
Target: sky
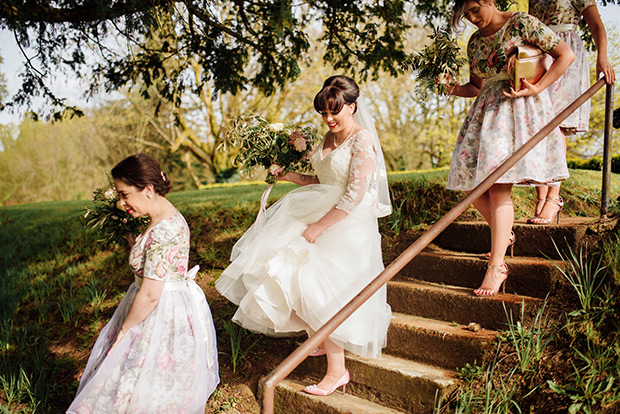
(72, 90)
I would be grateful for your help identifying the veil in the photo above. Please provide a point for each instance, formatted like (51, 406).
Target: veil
(383, 206)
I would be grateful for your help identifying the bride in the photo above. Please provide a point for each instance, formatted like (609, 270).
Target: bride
(311, 252)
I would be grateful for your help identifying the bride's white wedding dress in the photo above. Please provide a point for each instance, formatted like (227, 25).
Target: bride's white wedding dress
(285, 285)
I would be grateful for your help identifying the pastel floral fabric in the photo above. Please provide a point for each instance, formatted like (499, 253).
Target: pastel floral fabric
(559, 11)
(162, 253)
(167, 363)
(496, 126)
(488, 55)
(576, 80)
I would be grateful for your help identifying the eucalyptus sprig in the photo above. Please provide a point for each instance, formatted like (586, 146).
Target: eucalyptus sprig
(437, 66)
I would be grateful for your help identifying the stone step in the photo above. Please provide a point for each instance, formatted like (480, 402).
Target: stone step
(290, 398)
(532, 240)
(457, 304)
(534, 277)
(434, 342)
(394, 382)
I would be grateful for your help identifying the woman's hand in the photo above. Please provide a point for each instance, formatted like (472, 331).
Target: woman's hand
(603, 66)
(527, 89)
(312, 232)
(452, 88)
(120, 336)
(280, 174)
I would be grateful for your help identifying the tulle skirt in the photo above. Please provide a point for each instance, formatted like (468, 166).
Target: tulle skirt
(286, 286)
(167, 364)
(574, 82)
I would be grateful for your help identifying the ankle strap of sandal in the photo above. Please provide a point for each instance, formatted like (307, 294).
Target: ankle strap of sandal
(502, 267)
(555, 200)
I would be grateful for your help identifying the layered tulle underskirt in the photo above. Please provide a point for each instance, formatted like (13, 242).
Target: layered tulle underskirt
(286, 286)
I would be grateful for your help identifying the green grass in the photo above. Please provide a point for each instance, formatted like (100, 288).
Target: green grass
(58, 286)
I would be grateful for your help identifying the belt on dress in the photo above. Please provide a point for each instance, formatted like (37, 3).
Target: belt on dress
(498, 77)
(568, 27)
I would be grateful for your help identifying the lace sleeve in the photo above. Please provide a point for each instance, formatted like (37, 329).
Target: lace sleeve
(363, 159)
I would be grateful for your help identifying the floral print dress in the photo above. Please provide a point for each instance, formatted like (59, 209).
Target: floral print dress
(286, 286)
(563, 17)
(168, 363)
(496, 126)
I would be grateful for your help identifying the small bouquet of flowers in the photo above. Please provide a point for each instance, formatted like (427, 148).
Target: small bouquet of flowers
(271, 146)
(110, 220)
(437, 66)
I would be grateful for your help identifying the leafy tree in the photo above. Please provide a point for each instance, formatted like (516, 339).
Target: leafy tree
(237, 43)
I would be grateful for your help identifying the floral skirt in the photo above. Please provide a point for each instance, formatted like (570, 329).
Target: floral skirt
(166, 364)
(286, 286)
(495, 127)
(572, 84)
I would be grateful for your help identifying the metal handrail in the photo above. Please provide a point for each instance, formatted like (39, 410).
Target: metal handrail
(301, 353)
(609, 102)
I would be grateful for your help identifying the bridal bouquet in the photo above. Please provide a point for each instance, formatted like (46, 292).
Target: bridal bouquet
(437, 66)
(271, 146)
(110, 220)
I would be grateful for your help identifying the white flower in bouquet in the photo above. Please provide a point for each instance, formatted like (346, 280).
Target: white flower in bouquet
(110, 194)
(276, 127)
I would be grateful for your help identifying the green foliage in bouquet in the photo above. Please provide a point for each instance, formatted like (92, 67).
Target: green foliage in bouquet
(110, 220)
(437, 66)
(261, 144)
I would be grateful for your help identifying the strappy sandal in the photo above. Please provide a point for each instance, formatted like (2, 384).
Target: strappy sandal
(545, 221)
(485, 291)
(511, 243)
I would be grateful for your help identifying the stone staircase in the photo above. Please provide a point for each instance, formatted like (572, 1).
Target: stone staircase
(433, 304)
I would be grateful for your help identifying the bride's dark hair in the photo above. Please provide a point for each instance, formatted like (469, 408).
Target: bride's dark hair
(336, 92)
(141, 170)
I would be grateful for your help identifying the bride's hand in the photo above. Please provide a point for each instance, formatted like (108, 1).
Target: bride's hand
(312, 232)
(278, 172)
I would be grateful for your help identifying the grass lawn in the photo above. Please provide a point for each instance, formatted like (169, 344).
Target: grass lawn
(58, 286)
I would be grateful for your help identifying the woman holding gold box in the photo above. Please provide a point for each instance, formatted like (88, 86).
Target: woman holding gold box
(563, 16)
(502, 119)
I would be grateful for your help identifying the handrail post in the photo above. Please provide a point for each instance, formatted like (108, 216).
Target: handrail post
(607, 135)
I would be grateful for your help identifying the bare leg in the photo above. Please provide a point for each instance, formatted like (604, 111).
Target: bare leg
(483, 205)
(502, 218)
(543, 192)
(335, 364)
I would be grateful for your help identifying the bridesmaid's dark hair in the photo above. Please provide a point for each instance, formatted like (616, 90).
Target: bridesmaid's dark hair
(457, 12)
(336, 92)
(141, 170)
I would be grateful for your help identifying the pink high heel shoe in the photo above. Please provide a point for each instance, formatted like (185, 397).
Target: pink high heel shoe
(342, 382)
(317, 352)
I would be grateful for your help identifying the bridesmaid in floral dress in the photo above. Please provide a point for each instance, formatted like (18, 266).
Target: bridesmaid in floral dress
(158, 352)
(501, 120)
(563, 16)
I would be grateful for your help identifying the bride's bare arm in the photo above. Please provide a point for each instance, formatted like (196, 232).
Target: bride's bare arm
(297, 178)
